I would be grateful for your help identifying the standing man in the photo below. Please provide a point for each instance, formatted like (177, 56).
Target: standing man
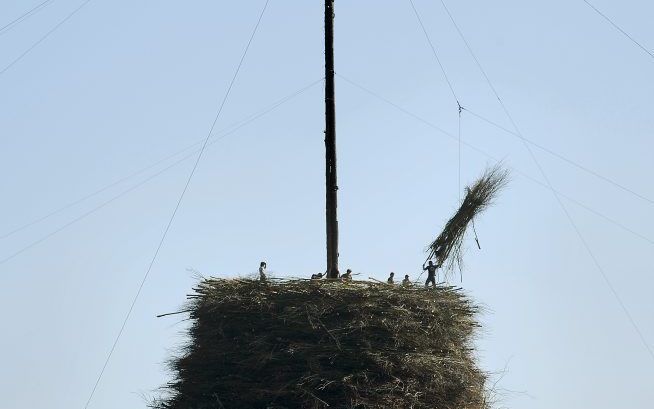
(431, 273)
(262, 271)
(347, 276)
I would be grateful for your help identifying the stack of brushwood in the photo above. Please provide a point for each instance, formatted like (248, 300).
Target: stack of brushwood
(447, 248)
(326, 344)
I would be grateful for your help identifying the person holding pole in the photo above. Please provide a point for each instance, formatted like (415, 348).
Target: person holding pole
(431, 273)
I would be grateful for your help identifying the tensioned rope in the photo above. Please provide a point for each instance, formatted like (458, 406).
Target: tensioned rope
(617, 27)
(489, 156)
(149, 178)
(224, 132)
(482, 152)
(449, 84)
(581, 237)
(466, 109)
(4, 29)
(95, 209)
(433, 50)
(518, 134)
(45, 36)
(179, 201)
(459, 148)
(562, 157)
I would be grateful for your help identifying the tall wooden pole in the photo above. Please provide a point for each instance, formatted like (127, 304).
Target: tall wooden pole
(330, 145)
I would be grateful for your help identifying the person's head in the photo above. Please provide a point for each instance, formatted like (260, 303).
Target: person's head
(406, 277)
(431, 263)
(348, 271)
(263, 264)
(392, 274)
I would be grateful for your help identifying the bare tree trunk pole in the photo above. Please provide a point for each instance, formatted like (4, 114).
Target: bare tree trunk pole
(330, 145)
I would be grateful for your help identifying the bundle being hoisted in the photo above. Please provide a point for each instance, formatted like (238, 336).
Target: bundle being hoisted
(447, 249)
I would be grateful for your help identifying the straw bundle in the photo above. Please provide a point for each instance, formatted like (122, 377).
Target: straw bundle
(448, 245)
(326, 344)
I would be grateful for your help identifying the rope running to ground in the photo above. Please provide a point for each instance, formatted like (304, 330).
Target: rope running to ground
(4, 29)
(492, 158)
(179, 202)
(519, 134)
(223, 133)
(46, 35)
(554, 192)
(562, 157)
(148, 179)
(534, 180)
(617, 27)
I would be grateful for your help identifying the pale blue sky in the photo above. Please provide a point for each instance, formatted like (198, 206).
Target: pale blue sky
(126, 83)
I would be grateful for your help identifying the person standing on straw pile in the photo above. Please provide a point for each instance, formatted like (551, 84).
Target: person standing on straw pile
(431, 273)
(406, 282)
(262, 271)
(347, 276)
(390, 278)
(447, 249)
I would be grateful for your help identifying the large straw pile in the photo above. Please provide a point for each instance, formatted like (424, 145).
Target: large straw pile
(326, 344)
(447, 247)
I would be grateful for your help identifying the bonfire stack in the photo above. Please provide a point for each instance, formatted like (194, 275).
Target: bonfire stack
(326, 344)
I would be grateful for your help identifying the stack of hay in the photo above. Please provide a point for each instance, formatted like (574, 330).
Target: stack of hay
(326, 344)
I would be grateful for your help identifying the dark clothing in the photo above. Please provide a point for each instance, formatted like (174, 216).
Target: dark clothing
(431, 274)
(431, 270)
(316, 276)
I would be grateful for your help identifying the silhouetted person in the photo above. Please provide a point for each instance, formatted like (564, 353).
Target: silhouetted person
(316, 276)
(262, 271)
(390, 278)
(431, 273)
(347, 276)
(406, 282)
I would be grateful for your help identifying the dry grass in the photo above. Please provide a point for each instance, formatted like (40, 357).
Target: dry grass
(326, 344)
(446, 250)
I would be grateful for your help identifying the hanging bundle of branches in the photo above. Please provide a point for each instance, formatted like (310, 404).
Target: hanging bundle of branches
(447, 248)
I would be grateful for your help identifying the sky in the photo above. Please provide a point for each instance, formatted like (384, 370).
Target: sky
(124, 86)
